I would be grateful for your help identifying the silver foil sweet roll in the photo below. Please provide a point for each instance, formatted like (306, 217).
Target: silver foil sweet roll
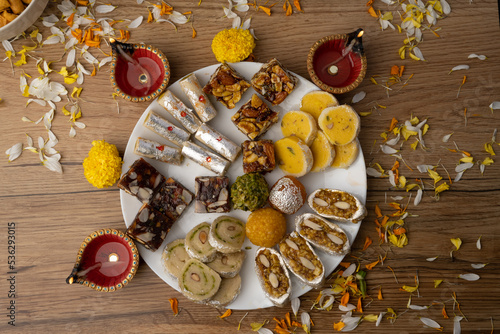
(205, 158)
(154, 150)
(218, 142)
(179, 111)
(164, 128)
(201, 104)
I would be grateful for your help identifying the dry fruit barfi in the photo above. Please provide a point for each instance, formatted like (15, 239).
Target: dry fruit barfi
(228, 265)
(198, 282)
(337, 204)
(325, 235)
(274, 82)
(287, 195)
(172, 198)
(254, 118)
(227, 234)
(302, 261)
(150, 227)
(197, 245)
(226, 85)
(273, 276)
(141, 180)
(300, 124)
(258, 156)
(211, 194)
(174, 257)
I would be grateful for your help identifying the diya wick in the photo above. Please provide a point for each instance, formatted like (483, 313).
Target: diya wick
(354, 44)
(144, 77)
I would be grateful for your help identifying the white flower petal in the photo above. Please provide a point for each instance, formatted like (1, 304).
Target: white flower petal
(456, 324)
(29, 140)
(358, 97)
(37, 101)
(418, 198)
(380, 317)
(388, 150)
(458, 177)
(246, 24)
(370, 171)
(79, 125)
(14, 152)
(178, 18)
(236, 22)
(478, 243)
(265, 331)
(447, 137)
(459, 67)
(469, 277)
(480, 57)
(305, 319)
(431, 259)
(135, 23)
(50, 21)
(7, 45)
(70, 60)
(464, 166)
(418, 307)
(495, 105)
(72, 132)
(295, 303)
(394, 140)
(103, 9)
(446, 7)
(418, 53)
(54, 39)
(242, 7)
(350, 270)
(430, 323)
(347, 308)
(478, 265)
(53, 164)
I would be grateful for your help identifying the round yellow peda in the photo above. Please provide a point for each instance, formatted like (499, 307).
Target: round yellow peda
(265, 227)
(314, 102)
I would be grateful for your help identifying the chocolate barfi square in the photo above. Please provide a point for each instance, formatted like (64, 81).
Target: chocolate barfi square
(254, 118)
(226, 85)
(274, 81)
(150, 227)
(211, 194)
(171, 199)
(141, 180)
(258, 156)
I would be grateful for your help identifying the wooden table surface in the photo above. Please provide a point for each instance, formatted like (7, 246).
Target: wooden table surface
(54, 212)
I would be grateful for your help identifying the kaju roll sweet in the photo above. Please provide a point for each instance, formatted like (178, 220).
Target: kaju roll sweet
(154, 150)
(201, 104)
(179, 111)
(205, 158)
(218, 142)
(167, 130)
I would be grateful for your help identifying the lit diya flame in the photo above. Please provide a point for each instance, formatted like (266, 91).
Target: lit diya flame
(107, 260)
(354, 44)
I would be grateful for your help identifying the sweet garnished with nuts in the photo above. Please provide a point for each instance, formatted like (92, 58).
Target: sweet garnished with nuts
(226, 85)
(337, 204)
(254, 118)
(258, 156)
(272, 275)
(274, 82)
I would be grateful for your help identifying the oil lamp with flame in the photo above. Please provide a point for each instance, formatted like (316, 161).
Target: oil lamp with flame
(337, 63)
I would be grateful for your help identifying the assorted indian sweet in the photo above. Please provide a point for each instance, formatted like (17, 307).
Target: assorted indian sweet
(199, 100)
(293, 155)
(150, 227)
(316, 101)
(254, 118)
(218, 142)
(265, 227)
(340, 124)
(11, 9)
(228, 264)
(197, 245)
(345, 155)
(300, 124)
(287, 195)
(179, 111)
(301, 259)
(141, 180)
(323, 152)
(227, 234)
(228, 291)
(205, 158)
(172, 198)
(273, 276)
(154, 150)
(258, 156)
(249, 192)
(211, 194)
(174, 257)
(323, 234)
(274, 81)
(337, 204)
(226, 85)
(198, 281)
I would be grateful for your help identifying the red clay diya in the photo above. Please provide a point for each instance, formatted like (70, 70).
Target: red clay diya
(107, 261)
(139, 72)
(337, 63)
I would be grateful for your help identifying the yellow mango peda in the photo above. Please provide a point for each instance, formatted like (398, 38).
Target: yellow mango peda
(345, 155)
(300, 124)
(294, 157)
(340, 124)
(323, 152)
(314, 102)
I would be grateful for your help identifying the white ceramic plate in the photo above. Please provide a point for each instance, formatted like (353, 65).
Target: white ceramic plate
(352, 180)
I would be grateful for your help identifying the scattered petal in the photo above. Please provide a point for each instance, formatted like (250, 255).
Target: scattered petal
(431, 259)
(135, 23)
(14, 152)
(447, 137)
(418, 198)
(295, 305)
(495, 105)
(431, 323)
(388, 150)
(478, 243)
(469, 277)
(350, 270)
(480, 57)
(358, 97)
(459, 67)
(418, 307)
(457, 242)
(456, 325)
(478, 265)
(103, 9)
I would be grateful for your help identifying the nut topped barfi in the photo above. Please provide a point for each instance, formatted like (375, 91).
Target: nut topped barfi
(226, 85)
(254, 118)
(141, 180)
(274, 82)
(273, 276)
(172, 198)
(258, 156)
(212, 194)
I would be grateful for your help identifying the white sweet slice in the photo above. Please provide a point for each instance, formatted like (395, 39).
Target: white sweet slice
(227, 293)
(197, 245)
(228, 265)
(198, 282)
(174, 257)
(227, 234)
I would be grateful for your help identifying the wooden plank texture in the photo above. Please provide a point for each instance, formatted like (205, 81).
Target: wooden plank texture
(54, 212)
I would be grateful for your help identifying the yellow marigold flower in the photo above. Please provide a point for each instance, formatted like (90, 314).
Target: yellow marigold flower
(232, 45)
(102, 168)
